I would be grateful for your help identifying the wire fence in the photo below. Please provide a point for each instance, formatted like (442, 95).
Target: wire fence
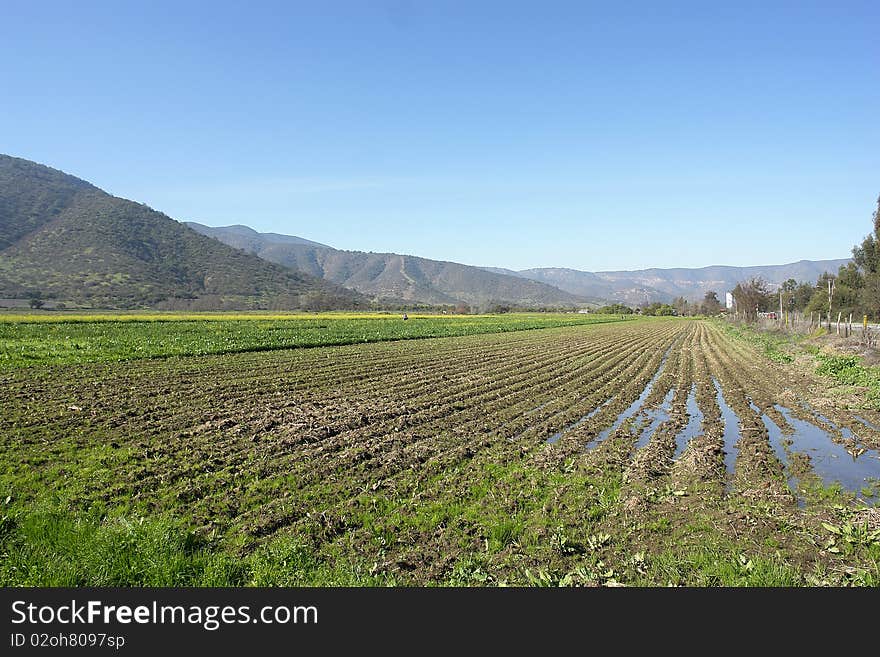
(846, 326)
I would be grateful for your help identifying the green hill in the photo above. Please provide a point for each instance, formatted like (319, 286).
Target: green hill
(65, 239)
(391, 277)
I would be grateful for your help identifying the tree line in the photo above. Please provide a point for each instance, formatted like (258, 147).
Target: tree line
(853, 290)
(710, 305)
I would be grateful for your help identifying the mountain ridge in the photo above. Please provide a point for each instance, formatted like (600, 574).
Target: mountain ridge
(633, 287)
(64, 238)
(641, 286)
(396, 278)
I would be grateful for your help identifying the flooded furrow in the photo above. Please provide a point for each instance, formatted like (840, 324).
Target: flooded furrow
(633, 408)
(731, 429)
(866, 423)
(779, 442)
(654, 417)
(833, 462)
(694, 426)
(574, 425)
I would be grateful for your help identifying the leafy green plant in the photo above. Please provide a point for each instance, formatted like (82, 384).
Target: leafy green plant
(850, 535)
(848, 370)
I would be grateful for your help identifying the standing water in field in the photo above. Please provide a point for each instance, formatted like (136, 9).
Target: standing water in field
(695, 422)
(731, 429)
(655, 417)
(867, 423)
(556, 436)
(777, 442)
(846, 433)
(537, 408)
(830, 460)
(633, 408)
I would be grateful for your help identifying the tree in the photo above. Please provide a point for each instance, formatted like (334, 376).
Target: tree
(752, 296)
(802, 295)
(867, 255)
(867, 262)
(660, 309)
(786, 294)
(819, 301)
(36, 301)
(869, 297)
(710, 305)
(846, 292)
(681, 306)
(614, 309)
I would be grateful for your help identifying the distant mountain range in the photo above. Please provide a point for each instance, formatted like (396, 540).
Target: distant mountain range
(65, 239)
(649, 285)
(402, 277)
(393, 278)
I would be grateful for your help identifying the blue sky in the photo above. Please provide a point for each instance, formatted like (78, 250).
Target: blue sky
(588, 135)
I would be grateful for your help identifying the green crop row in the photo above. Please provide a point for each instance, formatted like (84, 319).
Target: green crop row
(25, 343)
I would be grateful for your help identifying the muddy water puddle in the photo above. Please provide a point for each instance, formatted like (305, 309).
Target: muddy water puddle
(633, 408)
(731, 429)
(830, 460)
(857, 448)
(568, 427)
(537, 408)
(866, 423)
(779, 441)
(694, 426)
(654, 417)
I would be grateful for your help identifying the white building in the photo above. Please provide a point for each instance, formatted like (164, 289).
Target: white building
(728, 300)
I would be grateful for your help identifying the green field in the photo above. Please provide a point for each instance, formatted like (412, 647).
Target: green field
(54, 339)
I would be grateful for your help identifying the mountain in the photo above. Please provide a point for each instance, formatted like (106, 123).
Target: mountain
(395, 278)
(694, 283)
(247, 239)
(593, 286)
(645, 286)
(67, 240)
(648, 285)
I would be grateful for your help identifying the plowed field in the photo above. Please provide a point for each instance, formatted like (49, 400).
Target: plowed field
(645, 452)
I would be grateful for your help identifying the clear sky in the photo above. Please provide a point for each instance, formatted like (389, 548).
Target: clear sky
(513, 134)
